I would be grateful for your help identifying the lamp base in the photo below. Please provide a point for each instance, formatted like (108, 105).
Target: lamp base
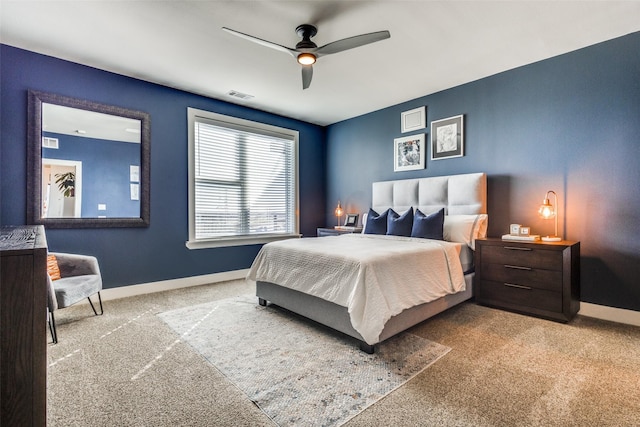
(551, 239)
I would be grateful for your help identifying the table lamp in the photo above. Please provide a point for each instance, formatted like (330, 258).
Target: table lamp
(338, 212)
(548, 211)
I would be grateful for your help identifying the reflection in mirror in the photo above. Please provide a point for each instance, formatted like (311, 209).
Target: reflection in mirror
(89, 164)
(107, 146)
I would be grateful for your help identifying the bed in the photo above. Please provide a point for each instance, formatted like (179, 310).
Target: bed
(372, 287)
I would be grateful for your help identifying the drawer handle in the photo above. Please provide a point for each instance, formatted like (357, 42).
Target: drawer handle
(516, 267)
(512, 285)
(513, 248)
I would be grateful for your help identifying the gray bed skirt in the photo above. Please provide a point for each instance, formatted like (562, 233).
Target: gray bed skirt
(337, 317)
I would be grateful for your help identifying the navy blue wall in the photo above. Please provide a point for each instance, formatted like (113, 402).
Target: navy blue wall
(105, 173)
(569, 124)
(139, 255)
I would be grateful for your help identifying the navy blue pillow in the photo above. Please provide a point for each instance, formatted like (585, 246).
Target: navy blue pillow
(428, 226)
(376, 224)
(400, 225)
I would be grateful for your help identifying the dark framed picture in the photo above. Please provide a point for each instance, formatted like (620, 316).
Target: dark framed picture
(447, 138)
(351, 221)
(408, 153)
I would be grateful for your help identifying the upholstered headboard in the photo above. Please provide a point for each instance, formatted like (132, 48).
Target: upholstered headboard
(458, 194)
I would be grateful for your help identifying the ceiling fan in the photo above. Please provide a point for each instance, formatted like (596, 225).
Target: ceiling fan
(307, 52)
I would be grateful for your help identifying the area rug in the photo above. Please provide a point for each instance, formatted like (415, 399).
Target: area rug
(295, 370)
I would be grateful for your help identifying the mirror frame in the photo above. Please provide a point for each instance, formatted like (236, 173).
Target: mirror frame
(34, 162)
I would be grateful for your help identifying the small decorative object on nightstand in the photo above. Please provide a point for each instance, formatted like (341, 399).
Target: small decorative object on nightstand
(351, 221)
(536, 278)
(521, 233)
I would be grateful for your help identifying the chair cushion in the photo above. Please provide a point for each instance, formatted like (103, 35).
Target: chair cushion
(76, 265)
(70, 290)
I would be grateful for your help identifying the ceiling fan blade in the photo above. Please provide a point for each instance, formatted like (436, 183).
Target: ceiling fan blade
(351, 42)
(266, 43)
(307, 74)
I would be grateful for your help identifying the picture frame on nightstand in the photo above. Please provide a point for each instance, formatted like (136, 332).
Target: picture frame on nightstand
(351, 220)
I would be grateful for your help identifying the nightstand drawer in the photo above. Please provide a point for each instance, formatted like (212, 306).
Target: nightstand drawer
(522, 256)
(533, 277)
(522, 296)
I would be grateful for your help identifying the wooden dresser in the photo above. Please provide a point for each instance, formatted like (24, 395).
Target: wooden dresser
(23, 326)
(536, 278)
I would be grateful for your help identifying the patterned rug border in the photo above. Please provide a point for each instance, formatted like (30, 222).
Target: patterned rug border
(445, 352)
(282, 375)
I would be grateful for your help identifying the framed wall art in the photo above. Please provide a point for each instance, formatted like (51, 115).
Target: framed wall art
(408, 153)
(413, 120)
(447, 138)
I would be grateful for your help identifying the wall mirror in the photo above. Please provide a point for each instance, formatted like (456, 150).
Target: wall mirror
(88, 164)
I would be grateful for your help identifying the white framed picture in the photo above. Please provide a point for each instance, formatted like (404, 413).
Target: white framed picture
(408, 153)
(447, 138)
(413, 119)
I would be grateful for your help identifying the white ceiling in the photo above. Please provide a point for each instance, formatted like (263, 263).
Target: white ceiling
(434, 45)
(90, 124)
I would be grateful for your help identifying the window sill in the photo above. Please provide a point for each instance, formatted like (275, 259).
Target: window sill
(238, 241)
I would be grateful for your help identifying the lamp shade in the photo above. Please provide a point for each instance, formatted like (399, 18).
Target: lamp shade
(549, 211)
(338, 212)
(306, 59)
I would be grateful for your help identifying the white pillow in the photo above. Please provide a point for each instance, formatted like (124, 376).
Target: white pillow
(465, 228)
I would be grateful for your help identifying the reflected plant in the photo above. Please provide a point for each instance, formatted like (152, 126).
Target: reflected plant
(66, 183)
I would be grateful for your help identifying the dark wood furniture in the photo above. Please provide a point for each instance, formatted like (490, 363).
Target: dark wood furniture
(23, 322)
(536, 278)
(321, 232)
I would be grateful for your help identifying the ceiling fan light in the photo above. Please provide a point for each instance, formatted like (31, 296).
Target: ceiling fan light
(306, 59)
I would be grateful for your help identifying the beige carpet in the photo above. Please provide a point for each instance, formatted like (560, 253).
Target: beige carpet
(504, 369)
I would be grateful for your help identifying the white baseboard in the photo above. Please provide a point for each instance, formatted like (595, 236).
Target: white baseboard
(603, 312)
(167, 285)
(612, 314)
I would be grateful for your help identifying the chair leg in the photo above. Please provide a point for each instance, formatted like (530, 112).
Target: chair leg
(94, 309)
(52, 328)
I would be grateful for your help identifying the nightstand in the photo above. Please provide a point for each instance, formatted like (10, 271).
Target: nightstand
(536, 278)
(321, 232)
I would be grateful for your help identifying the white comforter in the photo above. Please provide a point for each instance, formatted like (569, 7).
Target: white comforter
(374, 276)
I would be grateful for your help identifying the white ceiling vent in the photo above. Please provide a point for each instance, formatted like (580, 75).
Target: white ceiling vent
(48, 142)
(239, 95)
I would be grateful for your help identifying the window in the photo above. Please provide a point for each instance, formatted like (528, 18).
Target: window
(242, 181)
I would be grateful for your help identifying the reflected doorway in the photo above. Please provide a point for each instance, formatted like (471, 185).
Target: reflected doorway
(61, 188)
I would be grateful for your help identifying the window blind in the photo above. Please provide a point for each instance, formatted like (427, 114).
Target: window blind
(244, 181)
